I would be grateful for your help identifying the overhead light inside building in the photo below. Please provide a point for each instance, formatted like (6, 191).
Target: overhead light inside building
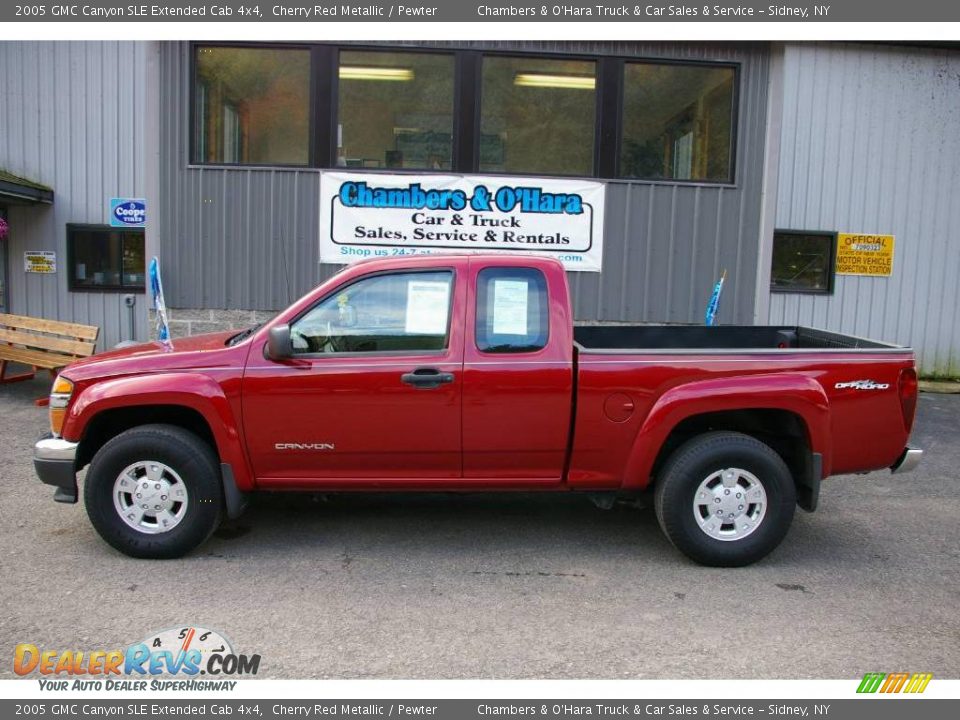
(567, 82)
(389, 74)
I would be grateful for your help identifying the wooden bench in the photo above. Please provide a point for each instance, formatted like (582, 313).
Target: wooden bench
(42, 344)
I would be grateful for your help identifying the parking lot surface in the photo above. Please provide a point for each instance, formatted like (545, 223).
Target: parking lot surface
(504, 586)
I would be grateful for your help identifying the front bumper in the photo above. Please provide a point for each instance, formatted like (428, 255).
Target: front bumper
(54, 460)
(907, 461)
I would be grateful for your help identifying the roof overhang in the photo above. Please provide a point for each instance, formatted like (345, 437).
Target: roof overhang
(15, 190)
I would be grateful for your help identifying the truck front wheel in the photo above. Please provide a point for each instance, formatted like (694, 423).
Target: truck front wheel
(154, 492)
(725, 499)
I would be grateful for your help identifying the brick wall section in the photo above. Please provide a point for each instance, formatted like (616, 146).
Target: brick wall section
(187, 321)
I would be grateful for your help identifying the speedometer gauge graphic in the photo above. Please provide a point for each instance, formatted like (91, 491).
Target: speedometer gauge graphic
(191, 637)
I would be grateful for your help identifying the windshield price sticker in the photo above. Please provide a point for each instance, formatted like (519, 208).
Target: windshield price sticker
(510, 307)
(427, 304)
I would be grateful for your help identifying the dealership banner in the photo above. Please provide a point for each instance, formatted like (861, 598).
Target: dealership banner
(366, 215)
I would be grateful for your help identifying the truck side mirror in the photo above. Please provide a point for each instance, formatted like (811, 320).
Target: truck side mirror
(279, 346)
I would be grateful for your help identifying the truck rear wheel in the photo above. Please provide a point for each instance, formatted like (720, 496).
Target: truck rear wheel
(154, 492)
(725, 499)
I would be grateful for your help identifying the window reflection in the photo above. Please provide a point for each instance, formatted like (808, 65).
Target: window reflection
(252, 106)
(677, 122)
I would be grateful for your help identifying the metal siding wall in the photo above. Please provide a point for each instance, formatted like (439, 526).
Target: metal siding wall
(870, 143)
(71, 121)
(248, 238)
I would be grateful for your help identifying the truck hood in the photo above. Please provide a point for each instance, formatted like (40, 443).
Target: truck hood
(194, 352)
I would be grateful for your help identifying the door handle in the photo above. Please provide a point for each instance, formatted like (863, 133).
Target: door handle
(426, 378)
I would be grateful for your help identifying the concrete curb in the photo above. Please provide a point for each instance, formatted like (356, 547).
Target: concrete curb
(943, 387)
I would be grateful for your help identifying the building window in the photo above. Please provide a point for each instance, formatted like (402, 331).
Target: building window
(511, 310)
(106, 259)
(397, 312)
(677, 122)
(803, 261)
(395, 110)
(252, 106)
(465, 111)
(537, 115)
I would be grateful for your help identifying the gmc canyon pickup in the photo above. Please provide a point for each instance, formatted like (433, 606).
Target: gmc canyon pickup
(467, 373)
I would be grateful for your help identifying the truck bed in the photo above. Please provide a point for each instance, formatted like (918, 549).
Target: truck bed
(660, 338)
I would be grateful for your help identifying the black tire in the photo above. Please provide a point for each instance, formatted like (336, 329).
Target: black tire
(695, 461)
(183, 452)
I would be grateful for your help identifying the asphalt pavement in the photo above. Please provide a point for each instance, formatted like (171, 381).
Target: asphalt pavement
(507, 585)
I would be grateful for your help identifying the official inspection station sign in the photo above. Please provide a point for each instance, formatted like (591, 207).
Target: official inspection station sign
(381, 215)
(863, 254)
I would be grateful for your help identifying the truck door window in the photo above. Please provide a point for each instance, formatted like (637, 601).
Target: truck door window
(397, 312)
(511, 310)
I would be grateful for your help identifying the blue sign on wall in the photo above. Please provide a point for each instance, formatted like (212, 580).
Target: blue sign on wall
(128, 212)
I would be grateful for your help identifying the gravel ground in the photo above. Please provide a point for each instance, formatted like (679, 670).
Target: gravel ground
(505, 586)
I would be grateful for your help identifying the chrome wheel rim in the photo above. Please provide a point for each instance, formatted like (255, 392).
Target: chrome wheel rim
(730, 504)
(150, 497)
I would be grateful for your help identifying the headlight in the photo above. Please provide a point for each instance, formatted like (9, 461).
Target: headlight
(59, 399)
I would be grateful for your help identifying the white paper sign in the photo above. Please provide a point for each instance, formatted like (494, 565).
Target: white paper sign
(510, 299)
(40, 261)
(368, 214)
(427, 305)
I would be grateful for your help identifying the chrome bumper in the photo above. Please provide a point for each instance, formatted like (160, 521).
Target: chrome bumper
(54, 448)
(54, 460)
(908, 461)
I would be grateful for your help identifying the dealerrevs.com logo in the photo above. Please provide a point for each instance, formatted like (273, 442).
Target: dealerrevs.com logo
(187, 652)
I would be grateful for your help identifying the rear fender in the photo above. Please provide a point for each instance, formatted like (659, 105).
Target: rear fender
(195, 391)
(792, 392)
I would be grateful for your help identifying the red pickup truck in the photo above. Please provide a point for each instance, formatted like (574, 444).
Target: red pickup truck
(467, 373)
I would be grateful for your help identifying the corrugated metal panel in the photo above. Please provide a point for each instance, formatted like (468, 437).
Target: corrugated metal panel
(70, 120)
(248, 238)
(870, 142)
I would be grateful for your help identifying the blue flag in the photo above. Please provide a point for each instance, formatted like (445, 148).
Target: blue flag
(711, 317)
(156, 290)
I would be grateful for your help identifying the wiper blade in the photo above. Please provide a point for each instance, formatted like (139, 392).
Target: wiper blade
(243, 335)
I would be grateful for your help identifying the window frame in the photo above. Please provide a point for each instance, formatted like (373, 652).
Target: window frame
(334, 103)
(467, 105)
(71, 254)
(516, 55)
(731, 180)
(542, 283)
(5, 261)
(831, 236)
(382, 353)
(195, 123)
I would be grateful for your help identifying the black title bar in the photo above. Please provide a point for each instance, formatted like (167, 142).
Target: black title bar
(207, 706)
(325, 11)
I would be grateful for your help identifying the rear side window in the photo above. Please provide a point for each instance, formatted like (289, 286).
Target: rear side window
(511, 310)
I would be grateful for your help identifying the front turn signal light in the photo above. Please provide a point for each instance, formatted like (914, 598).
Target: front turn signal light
(59, 399)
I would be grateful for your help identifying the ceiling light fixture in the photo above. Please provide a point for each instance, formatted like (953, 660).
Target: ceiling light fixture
(356, 72)
(566, 82)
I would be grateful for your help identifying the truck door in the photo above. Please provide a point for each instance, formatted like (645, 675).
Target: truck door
(518, 375)
(373, 391)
